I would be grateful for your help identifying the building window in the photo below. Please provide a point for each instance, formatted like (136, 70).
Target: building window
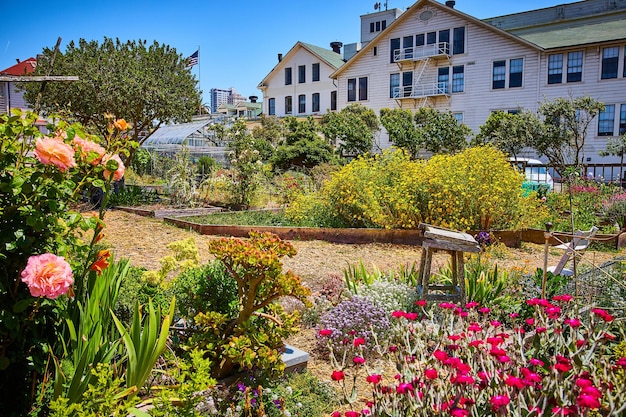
(407, 84)
(301, 103)
(574, 66)
(372, 27)
(333, 100)
(394, 46)
(316, 71)
(363, 88)
(458, 79)
(624, 62)
(316, 102)
(499, 74)
(272, 106)
(288, 105)
(458, 117)
(444, 36)
(375, 50)
(610, 57)
(458, 41)
(443, 80)
(351, 89)
(622, 119)
(394, 85)
(516, 72)
(288, 76)
(431, 38)
(377, 26)
(407, 46)
(606, 120)
(420, 40)
(384, 25)
(301, 74)
(555, 68)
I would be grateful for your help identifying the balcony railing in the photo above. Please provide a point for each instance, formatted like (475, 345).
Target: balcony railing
(421, 90)
(416, 53)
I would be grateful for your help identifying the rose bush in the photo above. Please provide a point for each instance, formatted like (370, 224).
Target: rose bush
(46, 252)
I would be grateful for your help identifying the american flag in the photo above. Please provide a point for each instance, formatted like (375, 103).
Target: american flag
(193, 59)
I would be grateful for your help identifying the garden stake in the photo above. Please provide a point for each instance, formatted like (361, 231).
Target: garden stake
(547, 234)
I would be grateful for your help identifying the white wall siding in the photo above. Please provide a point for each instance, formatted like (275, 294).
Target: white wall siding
(277, 89)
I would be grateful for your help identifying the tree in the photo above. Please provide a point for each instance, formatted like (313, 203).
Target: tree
(147, 85)
(351, 130)
(302, 147)
(566, 122)
(402, 131)
(510, 132)
(441, 132)
(245, 165)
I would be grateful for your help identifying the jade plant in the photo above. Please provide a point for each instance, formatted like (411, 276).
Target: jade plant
(253, 338)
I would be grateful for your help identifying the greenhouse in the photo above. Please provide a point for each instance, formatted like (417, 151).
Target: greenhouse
(197, 136)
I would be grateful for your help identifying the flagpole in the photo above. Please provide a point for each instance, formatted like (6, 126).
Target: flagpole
(199, 84)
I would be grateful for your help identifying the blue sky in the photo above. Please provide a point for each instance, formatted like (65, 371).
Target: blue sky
(238, 41)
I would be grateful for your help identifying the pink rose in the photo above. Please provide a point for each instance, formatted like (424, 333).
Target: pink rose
(89, 150)
(119, 172)
(53, 151)
(47, 275)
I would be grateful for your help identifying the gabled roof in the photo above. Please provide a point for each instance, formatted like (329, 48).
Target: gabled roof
(21, 68)
(411, 11)
(328, 56)
(175, 134)
(580, 35)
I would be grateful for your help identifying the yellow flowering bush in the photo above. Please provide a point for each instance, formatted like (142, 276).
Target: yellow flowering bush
(477, 189)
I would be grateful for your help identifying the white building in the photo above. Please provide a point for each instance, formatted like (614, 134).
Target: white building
(299, 84)
(436, 55)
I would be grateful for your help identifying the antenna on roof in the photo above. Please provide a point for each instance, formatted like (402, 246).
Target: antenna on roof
(386, 4)
(376, 5)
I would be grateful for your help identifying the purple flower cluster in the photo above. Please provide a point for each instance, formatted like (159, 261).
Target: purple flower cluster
(357, 317)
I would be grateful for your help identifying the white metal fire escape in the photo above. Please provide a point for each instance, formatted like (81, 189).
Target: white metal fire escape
(419, 59)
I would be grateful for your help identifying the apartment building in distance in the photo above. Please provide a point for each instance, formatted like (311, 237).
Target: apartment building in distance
(228, 96)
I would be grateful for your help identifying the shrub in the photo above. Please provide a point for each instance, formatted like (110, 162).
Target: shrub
(253, 340)
(476, 189)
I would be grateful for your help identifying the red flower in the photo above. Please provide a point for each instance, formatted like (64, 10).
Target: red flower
(352, 413)
(420, 303)
(410, 316)
(621, 362)
(430, 373)
(603, 314)
(337, 375)
(573, 322)
(484, 310)
(440, 355)
(101, 262)
(374, 379)
(565, 298)
(499, 401)
(459, 412)
(325, 332)
(474, 327)
(586, 400)
(536, 362)
(358, 360)
(359, 341)
(404, 388)
(513, 381)
(471, 304)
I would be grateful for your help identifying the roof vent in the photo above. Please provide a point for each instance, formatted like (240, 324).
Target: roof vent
(253, 99)
(450, 3)
(280, 57)
(336, 46)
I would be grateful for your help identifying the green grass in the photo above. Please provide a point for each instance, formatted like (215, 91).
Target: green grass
(243, 218)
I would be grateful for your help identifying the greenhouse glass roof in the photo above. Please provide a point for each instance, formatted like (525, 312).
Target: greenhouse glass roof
(176, 134)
